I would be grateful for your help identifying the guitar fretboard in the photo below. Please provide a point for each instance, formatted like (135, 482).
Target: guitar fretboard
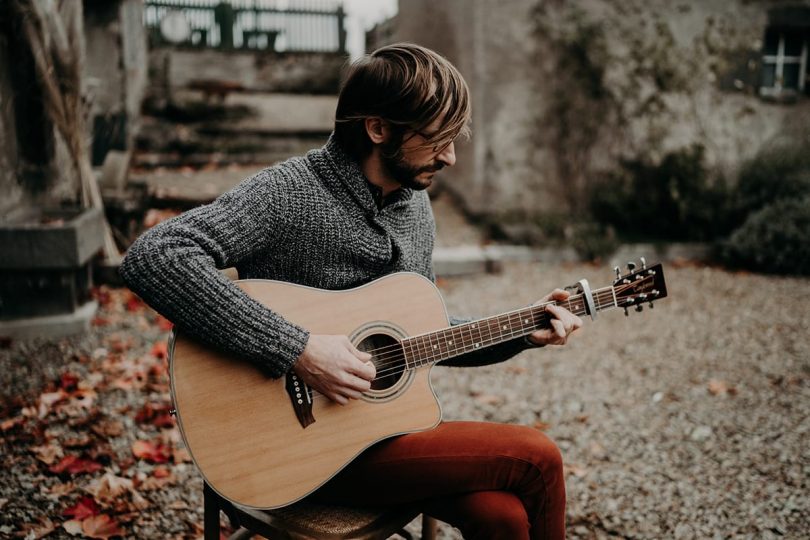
(456, 340)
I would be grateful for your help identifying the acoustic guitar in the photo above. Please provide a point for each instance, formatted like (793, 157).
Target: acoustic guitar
(266, 443)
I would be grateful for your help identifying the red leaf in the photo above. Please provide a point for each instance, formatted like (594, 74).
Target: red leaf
(163, 323)
(155, 453)
(68, 382)
(85, 508)
(160, 350)
(133, 302)
(75, 465)
(101, 526)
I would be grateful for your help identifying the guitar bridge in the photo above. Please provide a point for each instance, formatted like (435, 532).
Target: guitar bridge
(301, 398)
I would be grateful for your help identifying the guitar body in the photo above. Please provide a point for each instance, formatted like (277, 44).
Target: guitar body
(240, 425)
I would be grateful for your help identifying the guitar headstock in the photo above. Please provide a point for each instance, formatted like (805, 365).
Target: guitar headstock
(639, 287)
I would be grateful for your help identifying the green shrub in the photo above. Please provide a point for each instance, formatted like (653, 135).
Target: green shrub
(775, 239)
(777, 172)
(673, 200)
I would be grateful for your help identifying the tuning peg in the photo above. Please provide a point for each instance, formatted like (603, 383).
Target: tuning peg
(631, 267)
(618, 272)
(639, 308)
(643, 263)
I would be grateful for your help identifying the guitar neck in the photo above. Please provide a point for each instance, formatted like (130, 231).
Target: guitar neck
(426, 349)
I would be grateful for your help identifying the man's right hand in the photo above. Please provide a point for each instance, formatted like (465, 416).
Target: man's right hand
(334, 367)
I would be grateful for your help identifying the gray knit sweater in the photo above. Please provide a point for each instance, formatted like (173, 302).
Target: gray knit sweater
(311, 220)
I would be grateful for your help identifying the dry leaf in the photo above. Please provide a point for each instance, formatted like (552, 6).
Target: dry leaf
(59, 490)
(163, 323)
(101, 526)
(542, 426)
(108, 428)
(47, 401)
(181, 455)
(75, 465)
(718, 387)
(41, 529)
(160, 350)
(47, 453)
(577, 470)
(73, 527)
(109, 487)
(152, 452)
(489, 399)
(85, 508)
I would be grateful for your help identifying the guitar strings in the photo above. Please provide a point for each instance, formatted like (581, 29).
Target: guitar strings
(398, 358)
(395, 352)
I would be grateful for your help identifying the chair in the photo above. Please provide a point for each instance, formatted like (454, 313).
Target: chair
(308, 521)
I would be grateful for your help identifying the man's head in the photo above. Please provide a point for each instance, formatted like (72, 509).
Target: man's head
(405, 105)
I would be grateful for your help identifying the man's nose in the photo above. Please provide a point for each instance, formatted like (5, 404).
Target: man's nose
(448, 155)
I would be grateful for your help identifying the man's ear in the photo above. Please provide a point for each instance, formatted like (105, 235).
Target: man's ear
(377, 129)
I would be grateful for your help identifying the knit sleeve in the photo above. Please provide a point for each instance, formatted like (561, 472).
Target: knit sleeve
(174, 268)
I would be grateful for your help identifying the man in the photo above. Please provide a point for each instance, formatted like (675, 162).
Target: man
(337, 218)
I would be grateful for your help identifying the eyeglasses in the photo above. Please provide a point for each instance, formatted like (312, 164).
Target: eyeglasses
(428, 137)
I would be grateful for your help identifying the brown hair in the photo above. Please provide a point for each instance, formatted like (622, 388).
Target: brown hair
(408, 86)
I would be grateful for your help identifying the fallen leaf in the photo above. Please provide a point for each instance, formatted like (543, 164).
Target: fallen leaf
(40, 529)
(577, 470)
(150, 451)
(73, 527)
(6, 425)
(108, 428)
(489, 399)
(181, 455)
(163, 323)
(75, 465)
(85, 508)
(542, 426)
(109, 487)
(101, 526)
(77, 442)
(47, 453)
(717, 387)
(68, 382)
(48, 400)
(59, 490)
(160, 350)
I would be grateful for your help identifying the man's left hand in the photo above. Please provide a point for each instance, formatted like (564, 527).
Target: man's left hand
(563, 322)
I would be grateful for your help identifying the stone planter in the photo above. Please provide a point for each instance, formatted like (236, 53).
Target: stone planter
(45, 272)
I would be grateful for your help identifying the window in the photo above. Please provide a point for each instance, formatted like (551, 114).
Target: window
(785, 63)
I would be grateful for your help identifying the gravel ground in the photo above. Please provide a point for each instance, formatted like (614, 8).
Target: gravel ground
(686, 421)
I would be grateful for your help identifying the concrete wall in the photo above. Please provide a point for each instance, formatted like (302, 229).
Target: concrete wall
(562, 91)
(303, 73)
(116, 65)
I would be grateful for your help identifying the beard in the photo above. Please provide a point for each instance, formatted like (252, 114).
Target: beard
(406, 175)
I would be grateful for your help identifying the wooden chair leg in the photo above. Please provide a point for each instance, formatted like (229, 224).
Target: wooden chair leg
(429, 526)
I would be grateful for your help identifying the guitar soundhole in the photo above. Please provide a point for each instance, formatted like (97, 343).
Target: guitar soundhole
(388, 358)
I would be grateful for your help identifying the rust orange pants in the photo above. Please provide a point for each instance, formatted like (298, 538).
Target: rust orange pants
(492, 481)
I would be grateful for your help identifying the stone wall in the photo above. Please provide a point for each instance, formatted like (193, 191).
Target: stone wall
(563, 91)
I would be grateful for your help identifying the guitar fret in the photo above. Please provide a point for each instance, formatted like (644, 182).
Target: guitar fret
(475, 335)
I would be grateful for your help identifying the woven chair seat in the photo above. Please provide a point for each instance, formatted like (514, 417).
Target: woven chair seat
(306, 520)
